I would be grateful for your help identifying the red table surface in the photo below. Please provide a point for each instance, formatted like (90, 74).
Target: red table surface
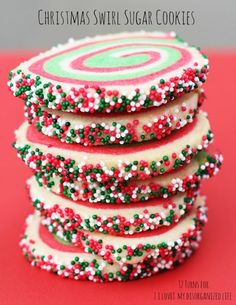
(213, 263)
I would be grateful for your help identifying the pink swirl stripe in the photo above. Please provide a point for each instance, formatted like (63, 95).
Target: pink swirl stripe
(48, 238)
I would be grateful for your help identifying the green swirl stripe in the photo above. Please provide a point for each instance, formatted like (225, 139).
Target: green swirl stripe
(107, 60)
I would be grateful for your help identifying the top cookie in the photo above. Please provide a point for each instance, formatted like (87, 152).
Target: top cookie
(111, 73)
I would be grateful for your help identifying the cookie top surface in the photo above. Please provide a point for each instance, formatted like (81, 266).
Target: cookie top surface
(111, 73)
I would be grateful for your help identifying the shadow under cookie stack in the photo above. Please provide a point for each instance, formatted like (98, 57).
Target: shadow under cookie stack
(118, 147)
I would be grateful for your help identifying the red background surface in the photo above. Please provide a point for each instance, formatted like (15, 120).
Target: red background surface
(214, 262)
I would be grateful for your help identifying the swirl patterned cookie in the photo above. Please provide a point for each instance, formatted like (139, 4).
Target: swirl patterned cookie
(50, 253)
(70, 216)
(204, 166)
(134, 248)
(103, 129)
(116, 162)
(111, 73)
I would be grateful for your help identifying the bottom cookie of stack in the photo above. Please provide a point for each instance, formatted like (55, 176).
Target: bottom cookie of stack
(46, 251)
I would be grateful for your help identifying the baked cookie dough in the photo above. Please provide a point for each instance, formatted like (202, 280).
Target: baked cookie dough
(50, 253)
(134, 248)
(105, 129)
(116, 162)
(114, 219)
(203, 166)
(118, 147)
(111, 73)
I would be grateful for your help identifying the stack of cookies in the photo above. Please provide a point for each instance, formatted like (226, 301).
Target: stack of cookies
(118, 147)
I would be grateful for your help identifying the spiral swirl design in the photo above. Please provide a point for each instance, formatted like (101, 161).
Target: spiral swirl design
(120, 61)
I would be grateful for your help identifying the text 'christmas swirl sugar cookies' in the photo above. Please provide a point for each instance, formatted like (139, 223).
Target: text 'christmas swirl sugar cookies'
(111, 73)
